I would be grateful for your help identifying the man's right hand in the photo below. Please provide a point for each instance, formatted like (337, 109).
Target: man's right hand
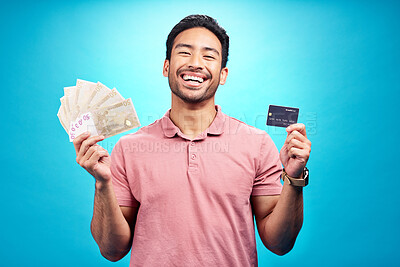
(92, 157)
(112, 226)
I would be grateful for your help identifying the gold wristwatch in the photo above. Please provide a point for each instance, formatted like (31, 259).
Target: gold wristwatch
(296, 181)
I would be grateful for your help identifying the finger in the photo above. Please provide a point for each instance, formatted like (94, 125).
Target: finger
(306, 146)
(300, 127)
(83, 160)
(297, 144)
(78, 141)
(96, 156)
(297, 135)
(298, 153)
(88, 143)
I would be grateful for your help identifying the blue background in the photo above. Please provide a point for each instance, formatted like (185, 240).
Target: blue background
(338, 61)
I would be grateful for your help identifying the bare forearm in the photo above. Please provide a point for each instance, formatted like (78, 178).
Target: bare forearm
(282, 226)
(109, 227)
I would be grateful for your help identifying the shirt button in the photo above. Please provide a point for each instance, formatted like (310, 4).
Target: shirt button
(193, 156)
(192, 143)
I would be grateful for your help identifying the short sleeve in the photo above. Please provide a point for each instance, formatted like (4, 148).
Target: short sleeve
(119, 178)
(268, 170)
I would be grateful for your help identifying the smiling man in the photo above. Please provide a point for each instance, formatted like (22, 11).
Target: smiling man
(190, 82)
(183, 190)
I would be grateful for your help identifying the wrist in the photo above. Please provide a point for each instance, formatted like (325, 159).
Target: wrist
(299, 181)
(101, 185)
(294, 175)
(291, 187)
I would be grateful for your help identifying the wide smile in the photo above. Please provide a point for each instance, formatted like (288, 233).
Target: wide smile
(193, 80)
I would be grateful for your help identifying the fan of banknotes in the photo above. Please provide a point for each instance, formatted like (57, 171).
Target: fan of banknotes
(95, 108)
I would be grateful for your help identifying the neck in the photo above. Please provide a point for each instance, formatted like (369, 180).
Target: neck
(192, 119)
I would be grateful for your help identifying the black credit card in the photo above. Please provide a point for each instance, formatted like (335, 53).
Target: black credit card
(282, 116)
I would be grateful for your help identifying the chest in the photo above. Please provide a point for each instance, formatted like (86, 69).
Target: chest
(169, 172)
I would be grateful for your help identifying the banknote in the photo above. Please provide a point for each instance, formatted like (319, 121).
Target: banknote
(94, 107)
(111, 98)
(65, 112)
(82, 95)
(84, 123)
(61, 117)
(69, 94)
(99, 93)
(115, 119)
(107, 121)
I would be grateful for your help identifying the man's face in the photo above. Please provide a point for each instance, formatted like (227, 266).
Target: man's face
(194, 71)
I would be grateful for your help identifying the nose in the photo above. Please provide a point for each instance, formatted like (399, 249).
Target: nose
(195, 61)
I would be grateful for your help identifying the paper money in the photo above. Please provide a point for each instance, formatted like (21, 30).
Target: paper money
(115, 119)
(84, 123)
(65, 110)
(69, 93)
(82, 95)
(112, 98)
(95, 108)
(107, 121)
(61, 117)
(99, 93)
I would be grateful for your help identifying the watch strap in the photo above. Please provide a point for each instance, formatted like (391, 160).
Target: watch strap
(296, 181)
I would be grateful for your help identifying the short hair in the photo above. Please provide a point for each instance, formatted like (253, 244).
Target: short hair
(194, 21)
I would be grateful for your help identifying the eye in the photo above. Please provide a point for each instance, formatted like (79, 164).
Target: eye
(184, 53)
(210, 57)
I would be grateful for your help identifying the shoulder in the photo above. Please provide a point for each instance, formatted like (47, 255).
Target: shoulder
(236, 126)
(247, 136)
(255, 140)
(146, 134)
(152, 130)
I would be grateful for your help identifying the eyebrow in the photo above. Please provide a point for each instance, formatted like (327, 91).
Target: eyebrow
(191, 47)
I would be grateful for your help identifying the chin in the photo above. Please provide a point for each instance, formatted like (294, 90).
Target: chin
(192, 99)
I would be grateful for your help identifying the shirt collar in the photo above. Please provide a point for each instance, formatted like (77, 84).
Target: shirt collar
(216, 127)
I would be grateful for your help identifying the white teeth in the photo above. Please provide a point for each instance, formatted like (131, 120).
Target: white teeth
(187, 77)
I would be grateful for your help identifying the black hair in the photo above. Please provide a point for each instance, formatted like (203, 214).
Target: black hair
(205, 21)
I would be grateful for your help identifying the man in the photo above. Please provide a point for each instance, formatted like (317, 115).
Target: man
(182, 191)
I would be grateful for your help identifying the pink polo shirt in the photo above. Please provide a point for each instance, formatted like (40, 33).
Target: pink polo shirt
(194, 195)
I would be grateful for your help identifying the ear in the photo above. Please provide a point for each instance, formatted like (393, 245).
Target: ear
(166, 68)
(223, 75)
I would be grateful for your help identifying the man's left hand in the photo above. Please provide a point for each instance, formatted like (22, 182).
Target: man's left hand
(296, 150)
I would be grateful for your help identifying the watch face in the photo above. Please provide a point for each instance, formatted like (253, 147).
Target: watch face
(306, 176)
(305, 172)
